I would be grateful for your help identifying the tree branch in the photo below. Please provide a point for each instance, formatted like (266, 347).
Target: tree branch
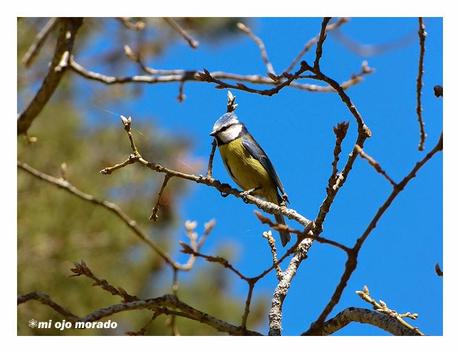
(113, 208)
(224, 189)
(37, 44)
(169, 76)
(314, 40)
(162, 304)
(182, 32)
(59, 64)
(363, 316)
(374, 164)
(275, 314)
(263, 52)
(352, 260)
(422, 36)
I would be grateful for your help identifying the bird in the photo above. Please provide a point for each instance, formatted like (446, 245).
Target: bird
(248, 164)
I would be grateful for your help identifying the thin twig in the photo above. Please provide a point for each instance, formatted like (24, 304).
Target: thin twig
(301, 234)
(244, 319)
(174, 25)
(263, 52)
(422, 36)
(211, 158)
(186, 249)
(82, 269)
(135, 26)
(382, 307)
(271, 244)
(154, 214)
(370, 50)
(313, 41)
(319, 45)
(46, 300)
(374, 164)
(37, 44)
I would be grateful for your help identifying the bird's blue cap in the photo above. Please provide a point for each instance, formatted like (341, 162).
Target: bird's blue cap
(225, 120)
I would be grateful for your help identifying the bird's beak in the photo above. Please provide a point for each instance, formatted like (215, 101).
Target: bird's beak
(213, 133)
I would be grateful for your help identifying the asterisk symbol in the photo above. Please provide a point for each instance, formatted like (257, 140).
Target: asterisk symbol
(33, 323)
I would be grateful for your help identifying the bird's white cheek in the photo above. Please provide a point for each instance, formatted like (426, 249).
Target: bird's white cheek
(230, 134)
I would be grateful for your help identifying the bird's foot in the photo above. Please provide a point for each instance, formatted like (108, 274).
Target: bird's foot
(246, 193)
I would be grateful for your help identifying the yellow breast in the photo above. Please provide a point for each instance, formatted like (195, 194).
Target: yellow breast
(245, 170)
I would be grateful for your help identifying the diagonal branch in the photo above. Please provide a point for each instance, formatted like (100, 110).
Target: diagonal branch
(352, 260)
(59, 64)
(374, 164)
(182, 32)
(40, 39)
(263, 52)
(113, 208)
(46, 300)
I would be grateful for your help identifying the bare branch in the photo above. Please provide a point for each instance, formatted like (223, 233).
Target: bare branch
(370, 50)
(224, 189)
(113, 208)
(263, 52)
(271, 243)
(46, 300)
(275, 314)
(162, 304)
(244, 319)
(135, 26)
(211, 158)
(364, 316)
(169, 76)
(59, 63)
(313, 41)
(382, 307)
(301, 234)
(319, 46)
(374, 164)
(81, 269)
(186, 249)
(154, 215)
(174, 25)
(363, 133)
(352, 260)
(422, 36)
(37, 44)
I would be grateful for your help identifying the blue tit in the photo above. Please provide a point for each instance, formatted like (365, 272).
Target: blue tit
(248, 164)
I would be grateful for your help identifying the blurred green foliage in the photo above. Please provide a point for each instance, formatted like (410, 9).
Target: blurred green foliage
(56, 228)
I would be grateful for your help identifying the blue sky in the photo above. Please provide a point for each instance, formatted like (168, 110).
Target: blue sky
(295, 129)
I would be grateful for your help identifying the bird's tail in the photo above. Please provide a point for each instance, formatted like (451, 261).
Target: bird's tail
(284, 234)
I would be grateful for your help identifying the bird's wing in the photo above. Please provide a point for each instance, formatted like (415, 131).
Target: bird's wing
(251, 145)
